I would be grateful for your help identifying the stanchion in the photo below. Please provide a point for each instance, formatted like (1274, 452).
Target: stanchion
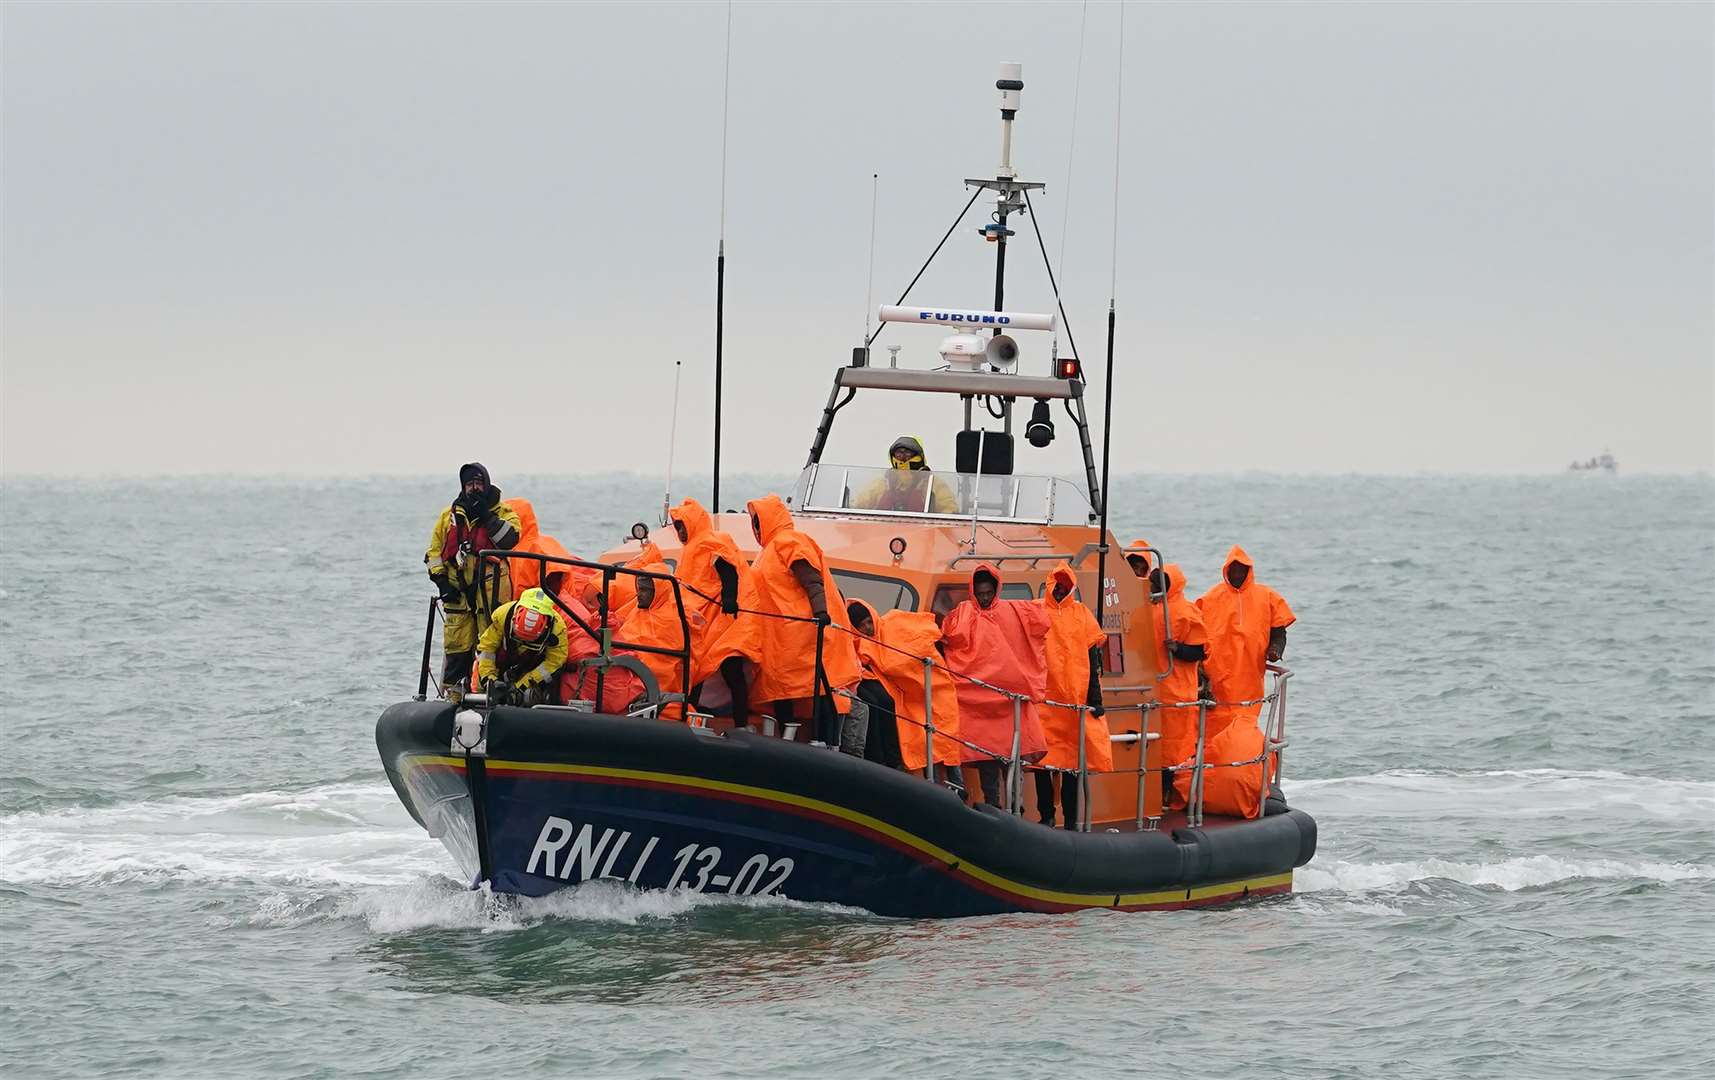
(1194, 805)
(1083, 774)
(428, 647)
(1014, 787)
(929, 719)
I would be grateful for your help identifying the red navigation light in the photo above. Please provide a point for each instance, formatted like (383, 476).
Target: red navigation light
(1067, 367)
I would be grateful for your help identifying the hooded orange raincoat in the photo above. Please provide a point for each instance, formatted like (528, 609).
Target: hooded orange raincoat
(1140, 548)
(658, 625)
(1178, 726)
(704, 546)
(1003, 645)
(1238, 622)
(1230, 790)
(619, 687)
(894, 658)
(785, 650)
(527, 573)
(1072, 633)
(622, 594)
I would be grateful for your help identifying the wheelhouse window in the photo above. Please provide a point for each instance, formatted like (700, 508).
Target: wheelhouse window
(884, 594)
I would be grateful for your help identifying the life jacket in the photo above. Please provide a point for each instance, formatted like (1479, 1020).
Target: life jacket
(461, 532)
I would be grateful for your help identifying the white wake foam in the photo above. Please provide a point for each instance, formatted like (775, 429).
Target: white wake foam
(355, 834)
(441, 904)
(340, 852)
(1524, 872)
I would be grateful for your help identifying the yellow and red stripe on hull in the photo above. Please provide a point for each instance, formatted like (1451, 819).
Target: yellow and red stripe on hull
(1018, 894)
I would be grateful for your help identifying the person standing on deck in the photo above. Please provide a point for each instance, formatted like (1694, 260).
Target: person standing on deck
(1246, 623)
(712, 570)
(1186, 642)
(527, 574)
(655, 621)
(1074, 654)
(1003, 643)
(893, 649)
(471, 588)
(522, 649)
(786, 605)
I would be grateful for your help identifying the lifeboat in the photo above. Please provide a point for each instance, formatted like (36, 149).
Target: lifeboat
(670, 796)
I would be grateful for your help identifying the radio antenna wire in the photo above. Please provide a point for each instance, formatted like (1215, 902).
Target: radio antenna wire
(720, 265)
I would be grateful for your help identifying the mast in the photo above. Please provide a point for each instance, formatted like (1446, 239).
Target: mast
(1007, 200)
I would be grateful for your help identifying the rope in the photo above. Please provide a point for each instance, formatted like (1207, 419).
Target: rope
(871, 339)
(940, 664)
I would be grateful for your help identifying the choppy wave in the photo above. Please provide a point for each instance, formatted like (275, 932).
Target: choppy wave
(1510, 875)
(1405, 792)
(348, 833)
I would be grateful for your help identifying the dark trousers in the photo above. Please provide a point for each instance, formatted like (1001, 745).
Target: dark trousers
(1068, 797)
(883, 745)
(990, 774)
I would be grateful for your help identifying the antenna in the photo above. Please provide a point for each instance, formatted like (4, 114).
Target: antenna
(720, 263)
(869, 291)
(1113, 285)
(672, 442)
(1011, 87)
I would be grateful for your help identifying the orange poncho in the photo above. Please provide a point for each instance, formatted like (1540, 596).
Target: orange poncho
(1139, 549)
(1238, 622)
(894, 659)
(618, 687)
(622, 594)
(1072, 633)
(1234, 792)
(1003, 645)
(658, 625)
(1178, 726)
(785, 650)
(527, 573)
(704, 545)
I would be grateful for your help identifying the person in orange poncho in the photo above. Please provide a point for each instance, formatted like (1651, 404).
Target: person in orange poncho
(1074, 655)
(711, 568)
(1003, 643)
(1246, 622)
(1140, 557)
(1230, 788)
(790, 578)
(892, 648)
(655, 621)
(1186, 642)
(527, 573)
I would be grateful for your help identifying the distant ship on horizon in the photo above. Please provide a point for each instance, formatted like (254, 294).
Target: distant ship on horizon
(1605, 463)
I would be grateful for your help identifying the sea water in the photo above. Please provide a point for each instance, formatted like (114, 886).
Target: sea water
(1501, 719)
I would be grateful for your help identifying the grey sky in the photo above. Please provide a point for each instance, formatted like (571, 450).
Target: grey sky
(296, 238)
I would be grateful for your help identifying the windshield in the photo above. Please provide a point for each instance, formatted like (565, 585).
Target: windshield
(923, 493)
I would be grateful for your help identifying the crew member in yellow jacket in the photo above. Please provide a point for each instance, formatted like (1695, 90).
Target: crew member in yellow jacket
(476, 521)
(907, 485)
(522, 650)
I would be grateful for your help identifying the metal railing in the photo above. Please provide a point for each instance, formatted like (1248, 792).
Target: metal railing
(601, 633)
(1273, 723)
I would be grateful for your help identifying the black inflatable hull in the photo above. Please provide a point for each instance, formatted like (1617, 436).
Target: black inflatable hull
(561, 798)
